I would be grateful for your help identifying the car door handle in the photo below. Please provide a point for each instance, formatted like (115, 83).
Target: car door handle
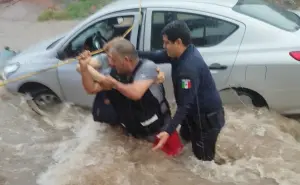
(217, 66)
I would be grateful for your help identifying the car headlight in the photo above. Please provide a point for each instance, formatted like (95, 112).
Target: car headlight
(10, 69)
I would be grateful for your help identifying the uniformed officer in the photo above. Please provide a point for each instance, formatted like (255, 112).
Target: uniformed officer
(199, 106)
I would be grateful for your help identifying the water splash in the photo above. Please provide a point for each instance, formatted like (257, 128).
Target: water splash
(256, 147)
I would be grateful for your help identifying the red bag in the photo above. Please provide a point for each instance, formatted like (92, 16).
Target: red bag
(173, 146)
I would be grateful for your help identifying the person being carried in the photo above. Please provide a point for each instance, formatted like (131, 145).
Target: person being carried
(130, 86)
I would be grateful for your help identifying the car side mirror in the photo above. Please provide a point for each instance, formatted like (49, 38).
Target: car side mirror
(61, 54)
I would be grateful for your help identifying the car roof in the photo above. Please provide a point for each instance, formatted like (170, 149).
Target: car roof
(120, 5)
(146, 3)
(129, 4)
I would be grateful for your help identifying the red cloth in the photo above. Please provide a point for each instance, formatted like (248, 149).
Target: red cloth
(173, 146)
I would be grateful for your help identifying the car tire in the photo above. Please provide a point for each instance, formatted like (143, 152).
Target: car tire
(41, 99)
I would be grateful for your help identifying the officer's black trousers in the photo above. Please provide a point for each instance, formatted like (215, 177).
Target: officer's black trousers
(203, 134)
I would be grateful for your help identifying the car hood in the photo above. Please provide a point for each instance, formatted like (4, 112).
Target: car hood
(6, 54)
(37, 50)
(41, 46)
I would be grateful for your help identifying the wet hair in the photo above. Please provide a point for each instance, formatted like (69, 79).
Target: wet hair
(177, 30)
(124, 48)
(108, 45)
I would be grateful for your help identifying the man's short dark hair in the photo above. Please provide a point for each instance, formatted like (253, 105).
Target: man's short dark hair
(177, 30)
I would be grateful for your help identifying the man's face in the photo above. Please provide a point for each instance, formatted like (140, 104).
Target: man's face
(171, 47)
(118, 62)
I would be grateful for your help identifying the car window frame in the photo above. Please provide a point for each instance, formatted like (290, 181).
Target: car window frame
(148, 29)
(273, 6)
(134, 31)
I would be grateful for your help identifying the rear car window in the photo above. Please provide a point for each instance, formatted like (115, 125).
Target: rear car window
(269, 13)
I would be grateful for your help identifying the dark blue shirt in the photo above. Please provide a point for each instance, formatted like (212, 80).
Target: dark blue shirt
(194, 88)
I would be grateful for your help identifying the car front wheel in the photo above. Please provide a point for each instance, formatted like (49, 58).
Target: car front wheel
(44, 102)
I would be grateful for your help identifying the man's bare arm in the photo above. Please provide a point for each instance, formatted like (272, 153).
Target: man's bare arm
(92, 80)
(95, 74)
(93, 62)
(88, 82)
(144, 78)
(135, 90)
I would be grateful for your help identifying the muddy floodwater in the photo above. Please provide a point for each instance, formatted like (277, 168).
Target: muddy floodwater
(69, 148)
(256, 147)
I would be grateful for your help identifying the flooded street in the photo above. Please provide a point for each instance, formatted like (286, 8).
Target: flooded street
(256, 147)
(259, 147)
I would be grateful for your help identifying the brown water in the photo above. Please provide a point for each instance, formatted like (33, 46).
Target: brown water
(259, 147)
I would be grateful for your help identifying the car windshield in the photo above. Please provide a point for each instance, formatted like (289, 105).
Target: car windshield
(269, 13)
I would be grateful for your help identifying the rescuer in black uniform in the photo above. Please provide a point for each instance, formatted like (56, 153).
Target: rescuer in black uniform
(199, 106)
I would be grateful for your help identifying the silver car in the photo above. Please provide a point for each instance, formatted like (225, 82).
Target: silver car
(251, 47)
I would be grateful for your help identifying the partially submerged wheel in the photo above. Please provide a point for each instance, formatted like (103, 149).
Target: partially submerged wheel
(44, 102)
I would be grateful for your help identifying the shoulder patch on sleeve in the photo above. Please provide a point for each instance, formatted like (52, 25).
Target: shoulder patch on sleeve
(186, 83)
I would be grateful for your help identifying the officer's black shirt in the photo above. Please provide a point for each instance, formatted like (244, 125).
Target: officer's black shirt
(194, 88)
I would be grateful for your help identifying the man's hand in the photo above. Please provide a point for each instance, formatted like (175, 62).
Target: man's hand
(160, 77)
(163, 138)
(84, 59)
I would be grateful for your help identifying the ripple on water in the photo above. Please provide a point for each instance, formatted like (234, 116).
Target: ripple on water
(258, 147)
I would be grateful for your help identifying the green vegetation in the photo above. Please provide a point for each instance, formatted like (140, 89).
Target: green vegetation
(74, 10)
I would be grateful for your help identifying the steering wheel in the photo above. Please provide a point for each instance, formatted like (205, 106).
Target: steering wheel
(98, 41)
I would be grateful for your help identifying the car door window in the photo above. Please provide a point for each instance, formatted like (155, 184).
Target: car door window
(269, 13)
(95, 36)
(205, 31)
